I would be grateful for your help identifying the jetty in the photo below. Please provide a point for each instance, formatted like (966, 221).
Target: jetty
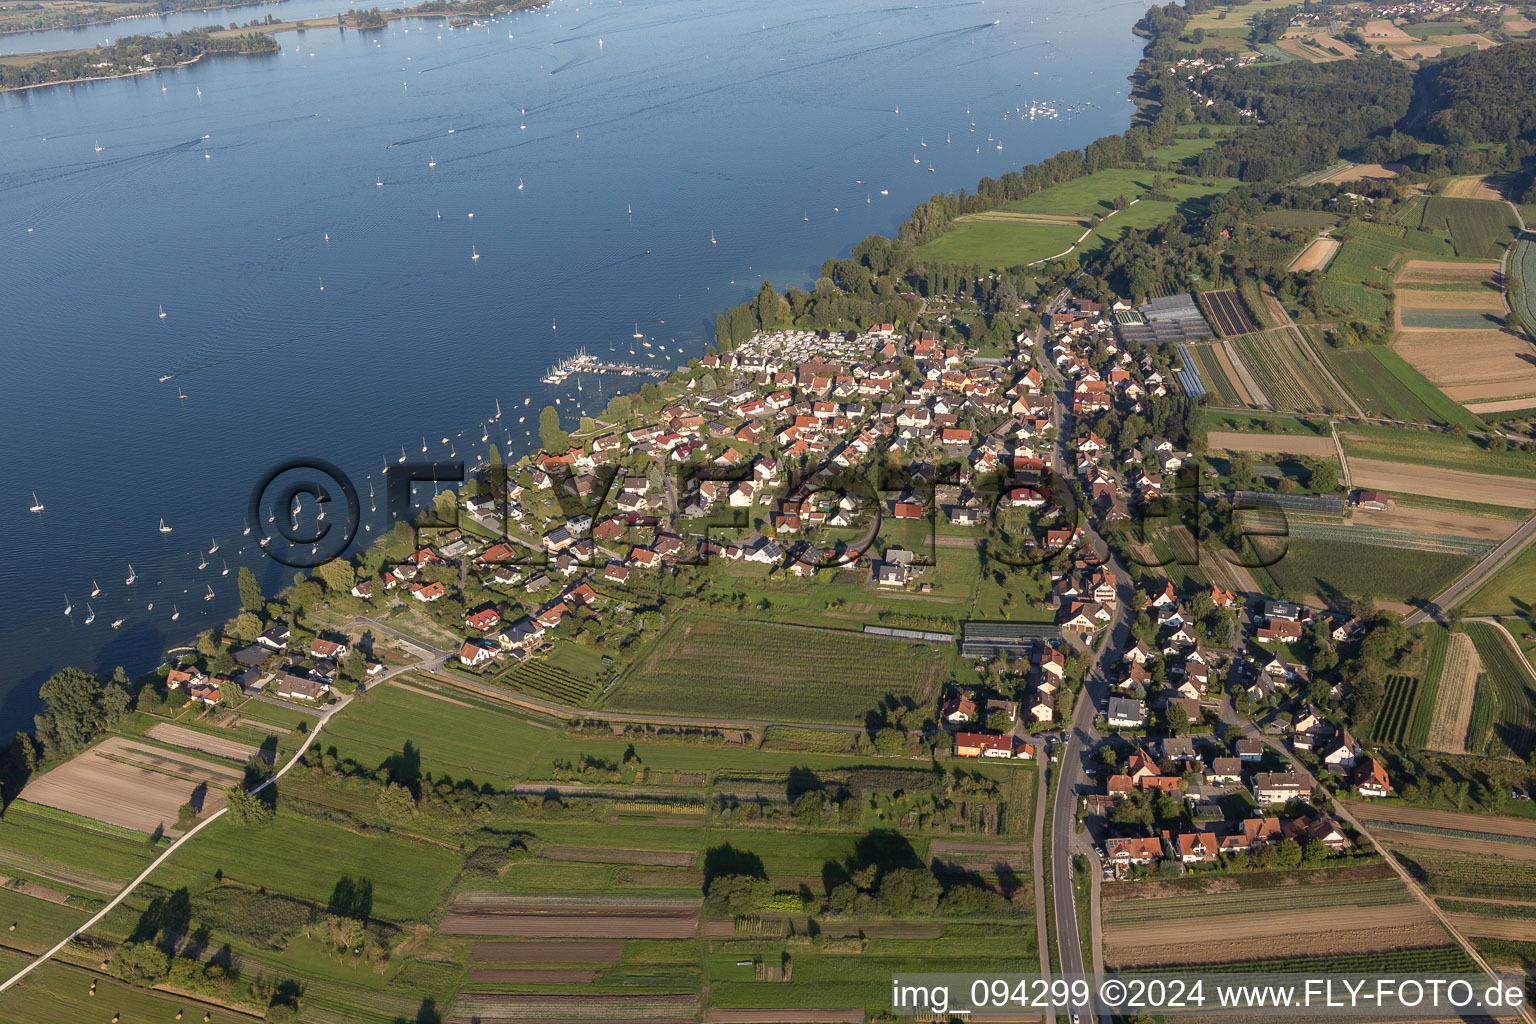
(583, 362)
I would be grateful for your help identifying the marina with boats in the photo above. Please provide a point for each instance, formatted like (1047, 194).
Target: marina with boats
(583, 362)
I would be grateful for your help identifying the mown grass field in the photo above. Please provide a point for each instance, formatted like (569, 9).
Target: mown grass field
(451, 740)
(1511, 591)
(305, 858)
(794, 674)
(1000, 244)
(1430, 448)
(56, 847)
(1373, 385)
(1478, 227)
(1364, 261)
(1355, 301)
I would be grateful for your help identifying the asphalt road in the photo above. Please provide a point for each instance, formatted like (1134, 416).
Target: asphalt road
(1080, 738)
(1462, 588)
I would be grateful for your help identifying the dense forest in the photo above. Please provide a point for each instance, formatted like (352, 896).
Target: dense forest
(1488, 96)
(1307, 114)
(130, 54)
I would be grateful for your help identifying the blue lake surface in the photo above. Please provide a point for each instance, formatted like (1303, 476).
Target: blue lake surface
(773, 126)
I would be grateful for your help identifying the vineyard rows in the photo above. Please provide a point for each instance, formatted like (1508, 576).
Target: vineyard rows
(1397, 709)
(1382, 536)
(1456, 833)
(552, 683)
(1429, 686)
(1510, 679)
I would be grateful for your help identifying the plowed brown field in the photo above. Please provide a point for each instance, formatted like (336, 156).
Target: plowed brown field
(132, 785)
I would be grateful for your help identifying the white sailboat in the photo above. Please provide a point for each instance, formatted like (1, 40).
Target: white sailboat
(37, 506)
(247, 531)
(98, 145)
(432, 162)
(163, 527)
(175, 613)
(162, 312)
(95, 590)
(90, 613)
(202, 563)
(226, 570)
(473, 254)
(497, 417)
(519, 184)
(712, 237)
(637, 333)
(402, 454)
(117, 623)
(67, 606)
(215, 549)
(131, 576)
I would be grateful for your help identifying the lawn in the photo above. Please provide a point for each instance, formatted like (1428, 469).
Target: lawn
(1331, 569)
(453, 741)
(1511, 591)
(793, 673)
(305, 858)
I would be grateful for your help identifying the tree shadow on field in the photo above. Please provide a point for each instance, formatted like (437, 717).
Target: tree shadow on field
(404, 768)
(882, 849)
(352, 898)
(728, 860)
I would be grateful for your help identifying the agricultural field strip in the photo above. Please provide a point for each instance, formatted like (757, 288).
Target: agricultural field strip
(1394, 717)
(1360, 894)
(1511, 677)
(1454, 694)
(1286, 374)
(1386, 537)
(1228, 312)
(1453, 833)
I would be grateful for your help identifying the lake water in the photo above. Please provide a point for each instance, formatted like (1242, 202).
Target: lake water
(773, 126)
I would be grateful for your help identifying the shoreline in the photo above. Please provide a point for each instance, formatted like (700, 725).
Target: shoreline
(105, 78)
(27, 59)
(1135, 77)
(130, 17)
